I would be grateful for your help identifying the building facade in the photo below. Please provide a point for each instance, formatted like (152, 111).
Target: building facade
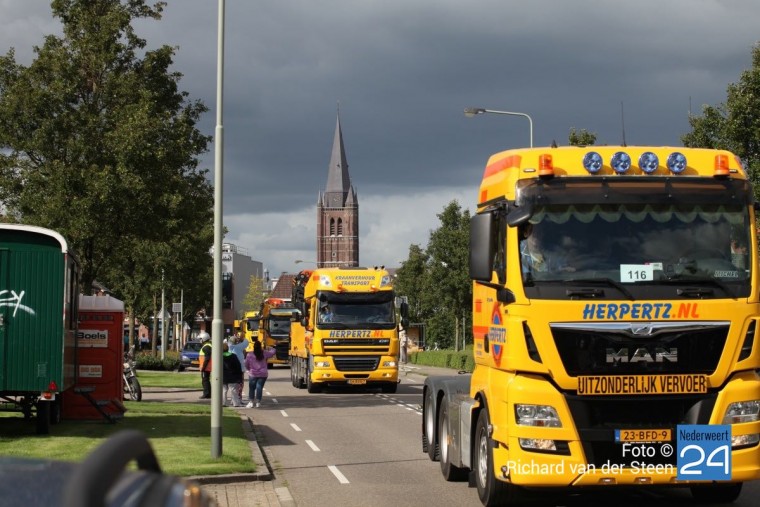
(237, 269)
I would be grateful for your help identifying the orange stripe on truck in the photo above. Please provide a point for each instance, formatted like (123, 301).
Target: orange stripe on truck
(510, 162)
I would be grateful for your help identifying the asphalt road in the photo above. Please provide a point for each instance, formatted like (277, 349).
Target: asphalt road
(362, 448)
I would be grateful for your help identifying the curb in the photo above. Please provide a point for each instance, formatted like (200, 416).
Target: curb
(264, 470)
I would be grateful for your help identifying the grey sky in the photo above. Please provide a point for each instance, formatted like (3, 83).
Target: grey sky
(403, 71)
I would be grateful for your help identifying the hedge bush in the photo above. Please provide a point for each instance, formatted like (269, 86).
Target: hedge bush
(146, 360)
(462, 360)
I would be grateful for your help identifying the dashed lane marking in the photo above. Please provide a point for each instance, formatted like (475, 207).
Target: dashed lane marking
(341, 478)
(312, 445)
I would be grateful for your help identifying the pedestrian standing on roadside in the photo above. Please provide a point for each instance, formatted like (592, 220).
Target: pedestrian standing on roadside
(238, 344)
(204, 357)
(256, 364)
(232, 375)
(403, 344)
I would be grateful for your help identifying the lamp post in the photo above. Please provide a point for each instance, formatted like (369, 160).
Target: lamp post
(217, 324)
(474, 111)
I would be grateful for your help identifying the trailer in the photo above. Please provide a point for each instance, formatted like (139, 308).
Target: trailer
(39, 294)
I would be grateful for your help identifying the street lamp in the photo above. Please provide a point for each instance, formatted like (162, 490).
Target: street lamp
(474, 111)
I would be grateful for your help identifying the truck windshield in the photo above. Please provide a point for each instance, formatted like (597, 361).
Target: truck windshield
(377, 315)
(279, 326)
(622, 246)
(252, 324)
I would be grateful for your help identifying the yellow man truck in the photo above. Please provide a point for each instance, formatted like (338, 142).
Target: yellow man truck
(348, 329)
(274, 328)
(615, 321)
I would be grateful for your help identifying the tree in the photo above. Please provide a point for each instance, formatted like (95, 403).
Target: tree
(255, 295)
(436, 281)
(581, 137)
(734, 124)
(100, 145)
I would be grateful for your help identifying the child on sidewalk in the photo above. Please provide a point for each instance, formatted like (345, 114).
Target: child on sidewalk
(232, 374)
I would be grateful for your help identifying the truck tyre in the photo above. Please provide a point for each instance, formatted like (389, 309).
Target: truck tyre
(312, 387)
(389, 387)
(450, 472)
(43, 417)
(300, 375)
(492, 492)
(716, 493)
(429, 441)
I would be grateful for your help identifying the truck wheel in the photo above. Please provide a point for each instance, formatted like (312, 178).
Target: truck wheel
(43, 417)
(716, 493)
(428, 436)
(389, 387)
(450, 472)
(491, 491)
(312, 387)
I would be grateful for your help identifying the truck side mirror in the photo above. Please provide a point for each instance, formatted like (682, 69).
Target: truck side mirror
(404, 315)
(482, 247)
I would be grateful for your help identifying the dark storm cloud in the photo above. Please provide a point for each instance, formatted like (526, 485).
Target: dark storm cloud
(403, 71)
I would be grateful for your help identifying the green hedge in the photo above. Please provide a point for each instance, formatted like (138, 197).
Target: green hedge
(146, 360)
(461, 360)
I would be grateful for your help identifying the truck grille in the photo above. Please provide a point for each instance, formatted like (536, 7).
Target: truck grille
(639, 348)
(596, 420)
(348, 363)
(354, 345)
(282, 349)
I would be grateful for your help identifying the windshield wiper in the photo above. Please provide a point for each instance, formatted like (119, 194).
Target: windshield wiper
(696, 292)
(600, 281)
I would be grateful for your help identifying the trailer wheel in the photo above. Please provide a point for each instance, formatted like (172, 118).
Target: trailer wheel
(490, 490)
(301, 368)
(55, 410)
(716, 493)
(450, 472)
(428, 436)
(43, 417)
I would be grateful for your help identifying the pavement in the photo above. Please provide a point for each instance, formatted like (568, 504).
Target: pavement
(253, 489)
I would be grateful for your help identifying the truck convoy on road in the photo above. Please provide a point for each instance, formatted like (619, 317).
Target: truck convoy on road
(348, 329)
(615, 321)
(39, 294)
(274, 328)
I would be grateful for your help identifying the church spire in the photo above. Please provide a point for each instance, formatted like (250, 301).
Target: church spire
(338, 181)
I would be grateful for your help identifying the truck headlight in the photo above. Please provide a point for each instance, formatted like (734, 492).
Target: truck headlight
(742, 411)
(537, 415)
(389, 364)
(322, 364)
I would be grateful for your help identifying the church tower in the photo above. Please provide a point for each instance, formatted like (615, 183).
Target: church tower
(338, 212)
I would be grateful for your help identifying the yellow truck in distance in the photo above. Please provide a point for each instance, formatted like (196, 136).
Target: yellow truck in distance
(347, 329)
(274, 328)
(615, 321)
(249, 328)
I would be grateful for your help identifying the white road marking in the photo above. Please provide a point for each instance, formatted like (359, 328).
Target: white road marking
(341, 478)
(295, 426)
(284, 414)
(274, 400)
(312, 445)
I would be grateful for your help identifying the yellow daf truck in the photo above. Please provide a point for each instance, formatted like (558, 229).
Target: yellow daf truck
(615, 321)
(249, 328)
(347, 330)
(274, 328)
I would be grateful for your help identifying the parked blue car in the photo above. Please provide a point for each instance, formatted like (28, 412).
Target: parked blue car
(189, 356)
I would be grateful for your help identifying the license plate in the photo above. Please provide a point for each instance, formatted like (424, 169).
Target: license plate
(358, 381)
(590, 385)
(643, 435)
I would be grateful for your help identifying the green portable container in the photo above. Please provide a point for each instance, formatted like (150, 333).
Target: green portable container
(39, 293)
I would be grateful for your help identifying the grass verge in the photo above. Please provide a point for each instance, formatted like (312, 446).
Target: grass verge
(180, 434)
(168, 379)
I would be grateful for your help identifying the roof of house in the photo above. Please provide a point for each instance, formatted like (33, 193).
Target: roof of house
(284, 286)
